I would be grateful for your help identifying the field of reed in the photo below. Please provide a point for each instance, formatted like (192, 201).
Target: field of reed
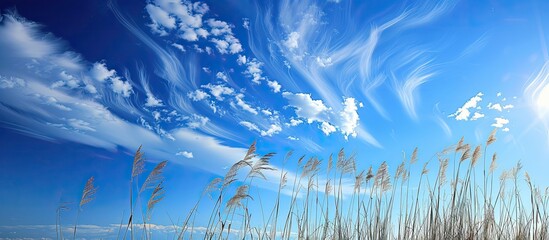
(473, 200)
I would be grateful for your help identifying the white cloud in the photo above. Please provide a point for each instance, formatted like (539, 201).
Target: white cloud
(201, 32)
(221, 45)
(152, 101)
(196, 121)
(500, 122)
(159, 16)
(292, 138)
(52, 101)
(508, 106)
(266, 112)
(273, 129)
(324, 62)
(80, 125)
(349, 118)
(245, 106)
(250, 126)
(222, 76)
(121, 87)
(292, 41)
(274, 85)
(306, 107)
(189, 34)
(327, 128)
(11, 82)
(496, 106)
(294, 122)
(179, 46)
(246, 23)
(254, 70)
(21, 36)
(498, 94)
(477, 116)
(241, 59)
(206, 70)
(218, 90)
(505, 129)
(219, 27)
(100, 72)
(198, 95)
(185, 154)
(463, 112)
(156, 115)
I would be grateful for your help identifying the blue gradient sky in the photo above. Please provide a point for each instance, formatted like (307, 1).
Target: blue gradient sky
(84, 83)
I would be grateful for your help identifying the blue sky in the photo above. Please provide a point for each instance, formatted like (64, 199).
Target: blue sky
(83, 85)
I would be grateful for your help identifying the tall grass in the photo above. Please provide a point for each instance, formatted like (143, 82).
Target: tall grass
(321, 203)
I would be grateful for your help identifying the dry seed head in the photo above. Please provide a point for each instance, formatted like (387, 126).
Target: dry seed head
(288, 155)
(460, 145)
(466, 152)
(505, 175)
(241, 193)
(358, 180)
(413, 159)
(405, 176)
(401, 170)
(492, 137)
(527, 177)
(516, 169)
(493, 164)
(442, 171)
(154, 177)
(476, 155)
(88, 194)
(369, 175)
(382, 178)
(213, 185)
(230, 176)
(330, 162)
(138, 163)
(261, 165)
(300, 160)
(328, 187)
(284, 180)
(156, 196)
(425, 170)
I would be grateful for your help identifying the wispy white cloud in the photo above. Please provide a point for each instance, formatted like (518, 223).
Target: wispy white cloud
(500, 122)
(185, 154)
(327, 128)
(198, 95)
(274, 85)
(244, 105)
(477, 116)
(307, 108)
(463, 113)
(219, 91)
(349, 118)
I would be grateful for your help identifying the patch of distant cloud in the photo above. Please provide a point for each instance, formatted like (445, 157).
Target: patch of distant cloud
(463, 113)
(244, 105)
(316, 111)
(500, 122)
(292, 41)
(101, 73)
(198, 95)
(218, 91)
(11, 82)
(185, 20)
(196, 121)
(185, 154)
(274, 85)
